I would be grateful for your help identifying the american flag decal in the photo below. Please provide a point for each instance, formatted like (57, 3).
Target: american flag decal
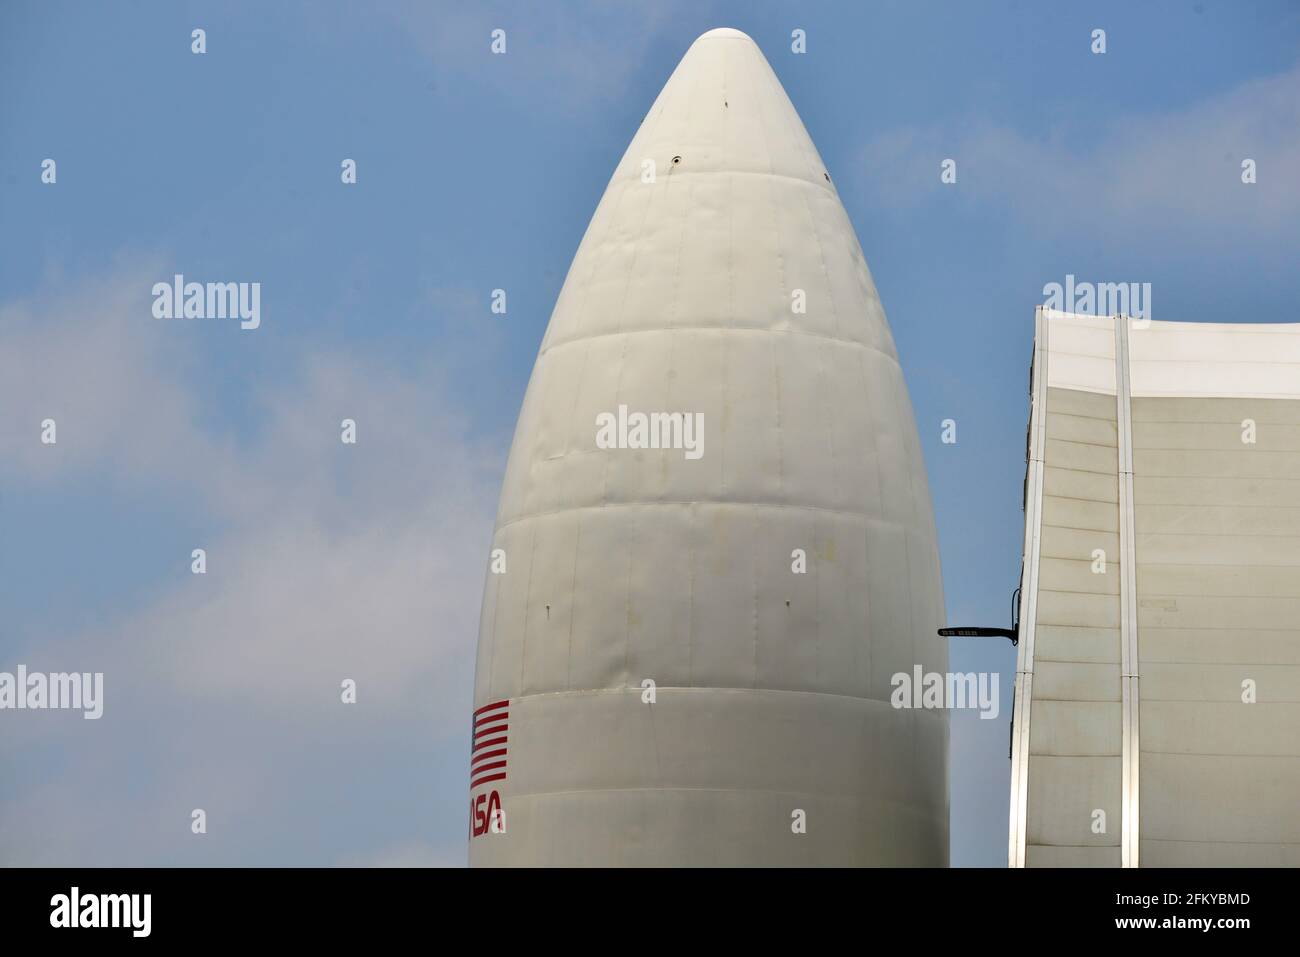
(487, 760)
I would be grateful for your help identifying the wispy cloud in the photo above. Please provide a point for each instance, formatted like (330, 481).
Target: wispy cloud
(559, 56)
(1176, 174)
(327, 561)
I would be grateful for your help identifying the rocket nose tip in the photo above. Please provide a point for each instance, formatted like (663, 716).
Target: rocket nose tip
(725, 33)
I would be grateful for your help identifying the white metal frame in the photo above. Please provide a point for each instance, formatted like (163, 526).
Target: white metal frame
(1028, 594)
(1128, 630)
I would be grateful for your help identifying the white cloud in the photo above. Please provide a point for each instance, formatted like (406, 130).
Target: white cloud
(88, 358)
(1176, 175)
(327, 561)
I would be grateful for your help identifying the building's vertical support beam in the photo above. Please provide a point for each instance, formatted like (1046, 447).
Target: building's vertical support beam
(1028, 594)
(1129, 680)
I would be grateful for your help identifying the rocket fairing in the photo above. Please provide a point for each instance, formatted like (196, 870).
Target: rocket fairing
(692, 617)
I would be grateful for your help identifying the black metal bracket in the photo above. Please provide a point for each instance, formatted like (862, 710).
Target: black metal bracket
(1013, 633)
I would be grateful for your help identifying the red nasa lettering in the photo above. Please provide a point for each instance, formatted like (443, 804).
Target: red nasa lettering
(484, 809)
(487, 765)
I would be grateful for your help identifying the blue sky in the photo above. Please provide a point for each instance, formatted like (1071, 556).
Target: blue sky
(477, 172)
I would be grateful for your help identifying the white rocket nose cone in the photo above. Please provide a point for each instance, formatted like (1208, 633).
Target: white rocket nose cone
(715, 546)
(724, 33)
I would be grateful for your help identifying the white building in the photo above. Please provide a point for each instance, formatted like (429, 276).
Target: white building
(1157, 712)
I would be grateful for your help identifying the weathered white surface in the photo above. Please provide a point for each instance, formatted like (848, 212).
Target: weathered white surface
(625, 565)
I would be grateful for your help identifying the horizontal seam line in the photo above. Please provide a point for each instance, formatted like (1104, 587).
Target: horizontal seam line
(1246, 449)
(1225, 631)
(683, 169)
(813, 508)
(1187, 840)
(1219, 754)
(637, 690)
(1091, 445)
(1245, 535)
(774, 332)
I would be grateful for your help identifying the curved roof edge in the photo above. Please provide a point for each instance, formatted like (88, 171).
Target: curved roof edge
(1176, 359)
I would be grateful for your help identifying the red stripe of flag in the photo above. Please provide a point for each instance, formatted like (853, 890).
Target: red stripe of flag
(490, 777)
(489, 743)
(489, 707)
(495, 729)
(487, 754)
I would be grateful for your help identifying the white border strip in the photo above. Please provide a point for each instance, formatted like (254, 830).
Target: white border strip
(1216, 360)
(1127, 600)
(1028, 594)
